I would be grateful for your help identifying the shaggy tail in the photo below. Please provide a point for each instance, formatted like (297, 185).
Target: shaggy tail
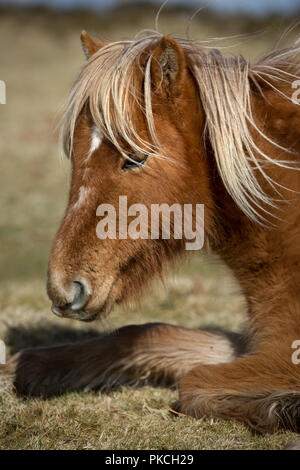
(214, 376)
(153, 352)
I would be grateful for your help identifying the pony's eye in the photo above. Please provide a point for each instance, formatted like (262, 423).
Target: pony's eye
(133, 162)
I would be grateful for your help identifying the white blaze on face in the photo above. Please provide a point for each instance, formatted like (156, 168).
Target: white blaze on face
(96, 139)
(84, 191)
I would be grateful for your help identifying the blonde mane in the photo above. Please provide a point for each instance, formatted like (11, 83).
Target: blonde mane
(108, 83)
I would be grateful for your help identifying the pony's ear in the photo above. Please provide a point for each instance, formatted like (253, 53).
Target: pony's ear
(168, 68)
(89, 46)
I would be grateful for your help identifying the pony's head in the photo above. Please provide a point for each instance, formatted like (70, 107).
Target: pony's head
(153, 121)
(133, 127)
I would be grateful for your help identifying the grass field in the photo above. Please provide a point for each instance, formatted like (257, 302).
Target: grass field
(39, 60)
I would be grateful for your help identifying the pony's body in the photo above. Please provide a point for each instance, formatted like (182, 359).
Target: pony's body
(230, 133)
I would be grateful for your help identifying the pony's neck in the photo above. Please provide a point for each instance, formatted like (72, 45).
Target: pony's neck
(265, 259)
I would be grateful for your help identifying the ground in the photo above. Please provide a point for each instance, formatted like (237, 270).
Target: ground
(39, 61)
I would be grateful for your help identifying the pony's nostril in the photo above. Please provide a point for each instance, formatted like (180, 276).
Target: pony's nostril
(81, 296)
(68, 297)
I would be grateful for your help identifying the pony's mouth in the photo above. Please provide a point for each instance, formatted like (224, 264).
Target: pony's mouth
(74, 314)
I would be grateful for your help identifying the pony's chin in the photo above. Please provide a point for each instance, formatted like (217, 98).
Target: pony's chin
(74, 314)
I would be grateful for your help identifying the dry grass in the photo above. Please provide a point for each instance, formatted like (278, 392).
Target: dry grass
(38, 65)
(200, 294)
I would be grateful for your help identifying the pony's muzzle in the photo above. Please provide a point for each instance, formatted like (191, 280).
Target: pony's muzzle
(80, 294)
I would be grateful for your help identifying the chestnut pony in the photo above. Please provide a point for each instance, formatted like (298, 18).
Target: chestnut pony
(164, 121)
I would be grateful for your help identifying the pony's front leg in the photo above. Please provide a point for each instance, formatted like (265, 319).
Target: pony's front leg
(259, 390)
(154, 351)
